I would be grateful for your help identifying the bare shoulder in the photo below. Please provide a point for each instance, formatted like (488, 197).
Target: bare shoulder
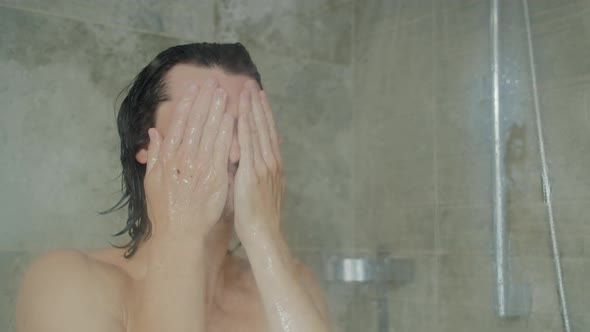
(66, 290)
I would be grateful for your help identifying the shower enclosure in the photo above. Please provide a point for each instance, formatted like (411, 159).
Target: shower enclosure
(437, 152)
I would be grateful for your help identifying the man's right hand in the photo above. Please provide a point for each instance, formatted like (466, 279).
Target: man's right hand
(186, 180)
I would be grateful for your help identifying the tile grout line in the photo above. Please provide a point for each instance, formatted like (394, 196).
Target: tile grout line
(355, 130)
(437, 240)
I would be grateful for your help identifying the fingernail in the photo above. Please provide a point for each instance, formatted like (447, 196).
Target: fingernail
(210, 82)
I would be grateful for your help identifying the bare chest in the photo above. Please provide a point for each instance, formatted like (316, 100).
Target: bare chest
(250, 319)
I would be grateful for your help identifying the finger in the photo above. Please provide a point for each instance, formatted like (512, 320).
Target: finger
(263, 133)
(211, 129)
(257, 160)
(177, 125)
(153, 149)
(245, 142)
(198, 118)
(244, 133)
(275, 139)
(223, 142)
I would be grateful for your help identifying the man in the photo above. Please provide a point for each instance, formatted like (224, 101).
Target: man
(200, 155)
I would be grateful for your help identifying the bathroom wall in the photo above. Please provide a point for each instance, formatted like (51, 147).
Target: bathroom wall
(386, 115)
(423, 151)
(63, 64)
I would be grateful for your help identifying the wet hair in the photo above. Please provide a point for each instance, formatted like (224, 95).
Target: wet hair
(137, 114)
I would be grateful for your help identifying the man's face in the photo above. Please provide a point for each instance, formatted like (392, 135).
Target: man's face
(179, 77)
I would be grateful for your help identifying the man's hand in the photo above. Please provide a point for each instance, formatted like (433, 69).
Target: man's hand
(260, 183)
(186, 171)
(292, 302)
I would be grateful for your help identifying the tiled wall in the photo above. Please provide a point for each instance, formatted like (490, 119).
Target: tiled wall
(423, 161)
(386, 115)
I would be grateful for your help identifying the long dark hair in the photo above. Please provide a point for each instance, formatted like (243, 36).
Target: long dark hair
(137, 114)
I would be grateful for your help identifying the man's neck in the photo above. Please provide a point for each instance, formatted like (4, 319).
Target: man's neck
(216, 259)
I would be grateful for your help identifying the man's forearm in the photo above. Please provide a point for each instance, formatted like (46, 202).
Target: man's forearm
(172, 296)
(288, 305)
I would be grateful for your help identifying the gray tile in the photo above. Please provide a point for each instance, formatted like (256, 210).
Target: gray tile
(403, 231)
(66, 75)
(465, 179)
(324, 36)
(372, 84)
(562, 47)
(179, 18)
(317, 154)
(404, 136)
(566, 136)
(411, 67)
(404, 182)
(417, 316)
(462, 53)
(375, 16)
(422, 288)
(538, 274)
(463, 317)
(546, 7)
(13, 265)
(411, 10)
(464, 126)
(576, 282)
(84, 10)
(466, 229)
